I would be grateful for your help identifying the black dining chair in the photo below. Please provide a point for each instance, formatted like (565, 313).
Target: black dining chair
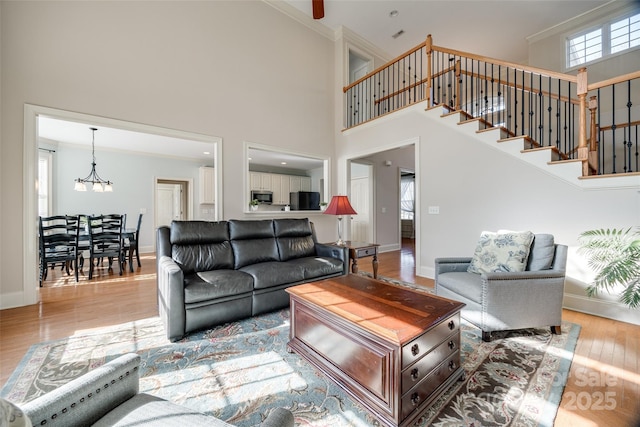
(58, 243)
(130, 240)
(105, 240)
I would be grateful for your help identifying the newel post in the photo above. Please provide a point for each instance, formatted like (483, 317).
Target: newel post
(428, 45)
(593, 134)
(583, 149)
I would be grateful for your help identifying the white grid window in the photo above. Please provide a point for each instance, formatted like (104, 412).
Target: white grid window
(625, 33)
(584, 48)
(608, 39)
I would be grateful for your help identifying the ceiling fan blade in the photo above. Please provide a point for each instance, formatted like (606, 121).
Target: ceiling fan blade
(318, 9)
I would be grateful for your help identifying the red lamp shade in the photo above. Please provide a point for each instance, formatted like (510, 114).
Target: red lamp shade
(340, 205)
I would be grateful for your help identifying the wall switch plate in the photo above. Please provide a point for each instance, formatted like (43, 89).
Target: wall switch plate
(434, 210)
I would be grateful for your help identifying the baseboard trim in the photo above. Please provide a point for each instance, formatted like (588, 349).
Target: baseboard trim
(389, 248)
(597, 307)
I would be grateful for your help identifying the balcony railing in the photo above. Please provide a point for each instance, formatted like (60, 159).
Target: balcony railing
(548, 109)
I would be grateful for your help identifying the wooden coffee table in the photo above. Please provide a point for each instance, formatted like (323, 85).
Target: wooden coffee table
(392, 349)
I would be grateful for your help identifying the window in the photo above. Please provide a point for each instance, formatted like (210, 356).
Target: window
(585, 48)
(407, 196)
(44, 183)
(608, 39)
(625, 33)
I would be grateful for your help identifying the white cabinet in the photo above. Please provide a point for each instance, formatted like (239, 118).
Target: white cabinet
(300, 183)
(260, 181)
(207, 185)
(280, 185)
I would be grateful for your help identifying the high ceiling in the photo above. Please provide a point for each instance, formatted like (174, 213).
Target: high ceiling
(498, 29)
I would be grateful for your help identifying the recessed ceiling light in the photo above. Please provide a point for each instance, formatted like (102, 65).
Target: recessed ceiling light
(283, 163)
(393, 13)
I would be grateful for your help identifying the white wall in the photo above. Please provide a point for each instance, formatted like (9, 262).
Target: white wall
(547, 48)
(236, 70)
(477, 187)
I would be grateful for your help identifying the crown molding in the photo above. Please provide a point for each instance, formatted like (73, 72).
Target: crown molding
(614, 7)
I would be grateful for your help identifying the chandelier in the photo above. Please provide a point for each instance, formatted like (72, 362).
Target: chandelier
(98, 184)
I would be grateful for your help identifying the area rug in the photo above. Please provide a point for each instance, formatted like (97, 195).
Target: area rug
(239, 371)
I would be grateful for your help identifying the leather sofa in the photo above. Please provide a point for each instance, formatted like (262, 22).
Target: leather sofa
(210, 273)
(109, 396)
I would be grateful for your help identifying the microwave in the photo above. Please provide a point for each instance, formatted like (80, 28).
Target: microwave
(263, 197)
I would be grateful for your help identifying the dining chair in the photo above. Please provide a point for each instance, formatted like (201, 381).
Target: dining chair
(105, 240)
(58, 243)
(130, 240)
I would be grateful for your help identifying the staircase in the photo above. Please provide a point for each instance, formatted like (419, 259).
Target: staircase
(585, 134)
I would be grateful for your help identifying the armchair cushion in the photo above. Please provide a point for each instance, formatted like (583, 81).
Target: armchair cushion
(502, 251)
(542, 251)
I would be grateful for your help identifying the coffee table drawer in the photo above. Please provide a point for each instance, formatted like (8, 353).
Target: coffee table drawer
(417, 348)
(423, 390)
(423, 367)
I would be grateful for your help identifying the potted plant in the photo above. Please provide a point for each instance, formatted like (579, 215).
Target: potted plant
(614, 255)
(253, 204)
(323, 206)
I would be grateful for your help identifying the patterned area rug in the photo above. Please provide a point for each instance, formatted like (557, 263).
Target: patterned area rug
(238, 371)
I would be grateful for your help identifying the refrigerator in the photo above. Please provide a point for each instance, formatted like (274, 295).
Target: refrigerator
(304, 200)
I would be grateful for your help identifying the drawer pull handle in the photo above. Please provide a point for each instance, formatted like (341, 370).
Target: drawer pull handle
(415, 374)
(452, 325)
(415, 399)
(452, 345)
(452, 365)
(415, 349)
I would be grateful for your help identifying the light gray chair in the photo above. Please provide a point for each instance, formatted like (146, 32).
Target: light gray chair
(500, 301)
(108, 396)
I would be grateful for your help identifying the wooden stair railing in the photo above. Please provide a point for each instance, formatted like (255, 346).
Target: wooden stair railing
(547, 108)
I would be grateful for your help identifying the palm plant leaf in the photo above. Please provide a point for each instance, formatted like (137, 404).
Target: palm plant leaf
(614, 255)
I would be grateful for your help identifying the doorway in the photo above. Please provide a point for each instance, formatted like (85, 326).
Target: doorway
(32, 116)
(171, 201)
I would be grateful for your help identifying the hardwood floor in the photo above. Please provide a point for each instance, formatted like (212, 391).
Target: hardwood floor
(603, 388)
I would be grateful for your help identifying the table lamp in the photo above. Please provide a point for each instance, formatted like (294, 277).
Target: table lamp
(340, 205)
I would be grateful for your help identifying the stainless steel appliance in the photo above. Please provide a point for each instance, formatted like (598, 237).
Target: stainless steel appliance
(263, 197)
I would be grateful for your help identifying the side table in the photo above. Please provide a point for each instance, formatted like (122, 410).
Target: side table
(360, 250)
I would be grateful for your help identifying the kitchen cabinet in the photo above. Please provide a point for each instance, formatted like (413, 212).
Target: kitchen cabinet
(260, 181)
(207, 185)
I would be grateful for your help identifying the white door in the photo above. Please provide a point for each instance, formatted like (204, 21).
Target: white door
(169, 202)
(362, 201)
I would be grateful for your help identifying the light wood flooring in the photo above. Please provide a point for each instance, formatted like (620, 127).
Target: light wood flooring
(603, 388)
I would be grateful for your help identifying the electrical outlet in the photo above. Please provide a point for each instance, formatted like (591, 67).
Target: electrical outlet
(434, 210)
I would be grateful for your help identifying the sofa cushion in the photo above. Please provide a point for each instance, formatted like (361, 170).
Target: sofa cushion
(507, 251)
(269, 274)
(247, 252)
(542, 252)
(203, 257)
(147, 410)
(315, 267)
(214, 284)
(260, 229)
(468, 285)
(201, 245)
(294, 238)
(198, 232)
(252, 242)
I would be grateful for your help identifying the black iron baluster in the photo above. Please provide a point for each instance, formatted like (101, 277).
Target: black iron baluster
(627, 130)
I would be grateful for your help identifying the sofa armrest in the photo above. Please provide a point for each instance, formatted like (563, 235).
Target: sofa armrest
(279, 417)
(171, 297)
(523, 275)
(446, 265)
(334, 251)
(86, 399)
